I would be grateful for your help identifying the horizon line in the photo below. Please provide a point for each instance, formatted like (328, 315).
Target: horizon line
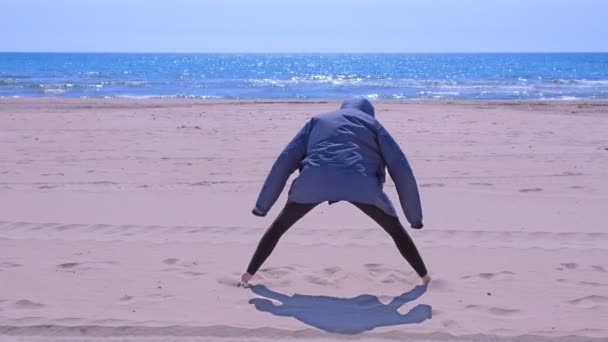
(303, 52)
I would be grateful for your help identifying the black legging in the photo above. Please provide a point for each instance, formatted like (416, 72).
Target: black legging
(295, 211)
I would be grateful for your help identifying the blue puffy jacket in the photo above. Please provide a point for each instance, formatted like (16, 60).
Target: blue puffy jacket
(342, 156)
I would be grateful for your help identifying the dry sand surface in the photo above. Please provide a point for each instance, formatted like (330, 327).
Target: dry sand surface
(131, 219)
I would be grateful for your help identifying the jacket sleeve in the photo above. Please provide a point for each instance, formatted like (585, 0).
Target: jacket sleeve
(402, 175)
(287, 162)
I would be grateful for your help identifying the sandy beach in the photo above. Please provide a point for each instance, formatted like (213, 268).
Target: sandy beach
(131, 219)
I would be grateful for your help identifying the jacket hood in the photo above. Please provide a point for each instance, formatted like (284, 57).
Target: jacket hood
(360, 104)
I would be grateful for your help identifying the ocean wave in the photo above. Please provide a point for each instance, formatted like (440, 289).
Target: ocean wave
(310, 79)
(374, 96)
(519, 84)
(584, 82)
(8, 83)
(136, 84)
(593, 83)
(91, 74)
(312, 87)
(48, 86)
(53, 89)
(175, 96)
(267, 82)
(439, 93)
(15, 76)
(132, 84)
(65, 86)
(319, 83)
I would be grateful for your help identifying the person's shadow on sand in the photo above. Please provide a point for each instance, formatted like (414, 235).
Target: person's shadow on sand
(343, 315)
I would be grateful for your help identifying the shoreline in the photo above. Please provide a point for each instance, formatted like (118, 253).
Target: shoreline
(300, 101)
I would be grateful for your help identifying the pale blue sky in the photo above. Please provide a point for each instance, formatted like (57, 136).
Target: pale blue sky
(304, 26)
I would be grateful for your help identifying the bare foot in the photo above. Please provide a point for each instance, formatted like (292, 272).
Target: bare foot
(245, 278)
(426, 280)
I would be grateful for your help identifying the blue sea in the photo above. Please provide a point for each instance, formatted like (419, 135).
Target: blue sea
(538, 76)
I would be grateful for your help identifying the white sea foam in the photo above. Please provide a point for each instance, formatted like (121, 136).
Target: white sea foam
(133, 97)
(135, 83)
(580, 82)
(8, 83)
(439, 93)
(593, 82)
(53, 90)
(266, 82)
(175, 96)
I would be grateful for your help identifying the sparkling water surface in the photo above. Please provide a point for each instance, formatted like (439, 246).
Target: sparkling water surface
(563, 76)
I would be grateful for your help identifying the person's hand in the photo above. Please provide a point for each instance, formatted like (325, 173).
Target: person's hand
(257, 212)
(417, 225)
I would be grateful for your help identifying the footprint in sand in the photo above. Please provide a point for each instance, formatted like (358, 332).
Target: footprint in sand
(570, 265)
(531, 190)
(276, 272)
(68, 265)
(157, 297)
(46, 187)
(450, 324)
(482, 184)
(231, 281)
(329, 271)
(328, 276)
(504, 275)
(170, 261)
(396, 276)
(567, 266)
(27, 304)
(590, 302)
(276, 276)
(64, 227)
(72, 267)
(324, 281)
(126, 299)
(591, 283)
(432, 185)
(82, 266)
(502, 312)
(496, 311)
(439, 284)
(375, 270)
(69, 320)
(182, 267)
(387, 275)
